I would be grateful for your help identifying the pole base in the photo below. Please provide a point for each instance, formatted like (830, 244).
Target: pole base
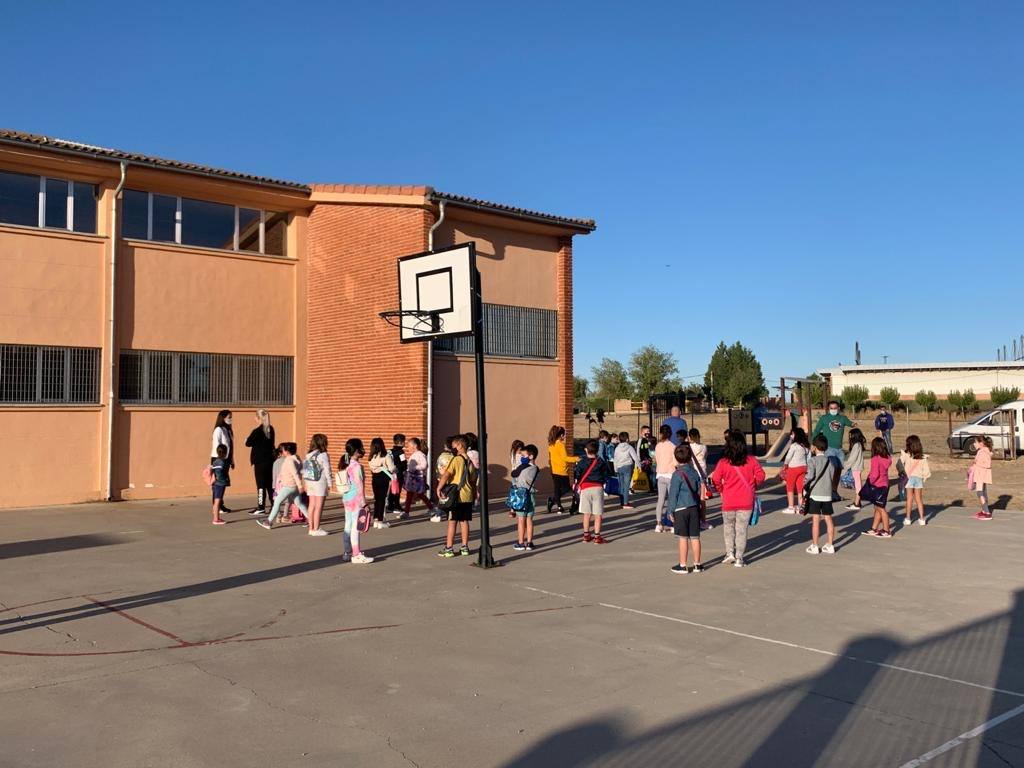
(485, 559)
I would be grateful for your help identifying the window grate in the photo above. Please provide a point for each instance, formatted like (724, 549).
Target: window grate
(151, 377)
(38, 374)
(524, 332)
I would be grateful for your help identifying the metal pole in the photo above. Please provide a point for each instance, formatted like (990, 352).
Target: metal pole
(485, 559)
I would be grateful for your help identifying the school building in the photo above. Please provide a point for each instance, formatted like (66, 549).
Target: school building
(141, 296)
(940, 378)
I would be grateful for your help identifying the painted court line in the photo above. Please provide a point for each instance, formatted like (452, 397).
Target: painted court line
(138, 621)
(786, 644)
(965, 736)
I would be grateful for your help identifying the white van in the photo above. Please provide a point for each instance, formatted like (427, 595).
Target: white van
(995, 424)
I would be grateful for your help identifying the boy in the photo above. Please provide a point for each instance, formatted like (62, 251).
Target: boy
(644, 447)
(590, 474)
(291, 488)
(885, 424)
(401, 463)
(818, 482)
(525, 476)
(683, 505)
(461, 472)
(221, 480)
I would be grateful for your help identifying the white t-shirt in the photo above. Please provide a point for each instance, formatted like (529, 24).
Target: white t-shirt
(796, 456)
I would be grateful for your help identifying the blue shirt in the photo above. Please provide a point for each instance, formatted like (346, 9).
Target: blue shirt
(679, 494)
(884, 422)
(676, 423)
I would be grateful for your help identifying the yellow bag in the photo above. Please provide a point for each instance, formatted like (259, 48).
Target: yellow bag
(640, 482)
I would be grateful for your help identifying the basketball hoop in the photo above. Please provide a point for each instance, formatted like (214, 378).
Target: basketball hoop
(423, 322)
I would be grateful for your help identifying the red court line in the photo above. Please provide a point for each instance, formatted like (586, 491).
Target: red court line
(140, 622)
(543, 610)
(53, 600)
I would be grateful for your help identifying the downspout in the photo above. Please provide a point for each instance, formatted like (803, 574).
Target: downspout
(430, 361)
(111, 338)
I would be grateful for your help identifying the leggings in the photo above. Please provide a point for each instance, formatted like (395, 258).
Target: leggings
(858, 483)
(350, 537)
(983, 498)
(283, 497)
(735, 528)
(659, 510)
(561, 487)
(380, 482)
(264, 473)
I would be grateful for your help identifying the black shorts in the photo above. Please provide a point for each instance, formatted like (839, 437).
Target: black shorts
(462, 512)
(687, 522)
(815, 507)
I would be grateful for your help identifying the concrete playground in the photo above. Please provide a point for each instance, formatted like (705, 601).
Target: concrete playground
(137, 634)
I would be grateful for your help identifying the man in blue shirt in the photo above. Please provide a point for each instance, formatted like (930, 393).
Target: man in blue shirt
(676, 423)
(885, 423)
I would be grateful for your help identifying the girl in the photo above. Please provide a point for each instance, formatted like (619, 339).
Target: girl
(737, 475)
(624, 460)
(261, 455)
(855, 464)
(382, 471)
(559, 461)
(354, 498)
(981, 475)
(794, 468)
(316, 472)
(665, 468)
(222, 435)
(514, 456)
(416, 476)
(914, 463)
(876, 490)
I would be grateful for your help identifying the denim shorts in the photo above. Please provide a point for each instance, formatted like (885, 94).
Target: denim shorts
(915, 482)
(218, 491)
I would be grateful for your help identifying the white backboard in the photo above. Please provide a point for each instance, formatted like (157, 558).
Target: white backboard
(440, 282)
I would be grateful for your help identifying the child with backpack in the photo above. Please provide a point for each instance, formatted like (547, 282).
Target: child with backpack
(353, 497)
(591, 473)
(876, 490)
(416, 476)
(316, 473)
(290, 478)
(818, 484)
(398, 457)
(913, 464)
(221, 480)
(980, 475)
(524, 476)
(854, 464)
(456, 492)
(684, 506)
(443, 460)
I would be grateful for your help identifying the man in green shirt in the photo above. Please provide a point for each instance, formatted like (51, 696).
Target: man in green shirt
(833, 426)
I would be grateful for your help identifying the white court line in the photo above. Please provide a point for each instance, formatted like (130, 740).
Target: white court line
(787, 644)
(973, 733)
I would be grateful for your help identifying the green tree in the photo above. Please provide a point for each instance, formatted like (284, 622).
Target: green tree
(890, 396)
(956, 400)
(735, 374)
(926, 400)
(813, 391)
(970, 402)
(854, 397)
(652, 370)
(580, 388)
(1003, 395)
(610, 379)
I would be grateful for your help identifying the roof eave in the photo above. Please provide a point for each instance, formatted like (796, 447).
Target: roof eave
(579, 226)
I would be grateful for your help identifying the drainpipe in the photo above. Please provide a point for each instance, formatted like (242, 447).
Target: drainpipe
(430, 363)
(111, 338)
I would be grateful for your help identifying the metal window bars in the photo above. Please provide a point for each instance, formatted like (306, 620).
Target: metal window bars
(44, 374)
(151, 377)
(524, 332)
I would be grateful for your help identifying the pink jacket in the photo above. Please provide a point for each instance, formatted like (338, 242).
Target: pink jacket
(289, 476)
(982, 467)
(879, 475)
(737, 484)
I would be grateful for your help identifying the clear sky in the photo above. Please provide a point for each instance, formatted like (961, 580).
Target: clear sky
(795, 175)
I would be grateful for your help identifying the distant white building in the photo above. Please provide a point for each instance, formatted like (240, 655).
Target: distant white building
(941, 378)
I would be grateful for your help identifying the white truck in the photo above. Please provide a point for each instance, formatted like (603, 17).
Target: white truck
(996, 424)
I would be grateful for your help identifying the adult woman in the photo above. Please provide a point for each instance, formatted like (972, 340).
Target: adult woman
(262, 449)
(736, 475)
(222, 435)
(559, 461)
(316, 474)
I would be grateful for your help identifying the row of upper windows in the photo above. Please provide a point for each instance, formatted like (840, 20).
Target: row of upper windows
(41, 201)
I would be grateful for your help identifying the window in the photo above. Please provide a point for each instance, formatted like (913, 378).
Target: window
(183, 220)
(511, 332)
(36, 374)
(150, 377)
(39, 201)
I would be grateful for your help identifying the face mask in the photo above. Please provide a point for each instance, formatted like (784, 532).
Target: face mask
(524, 459)
(833, 411)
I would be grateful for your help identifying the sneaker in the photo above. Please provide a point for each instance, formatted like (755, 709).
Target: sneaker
(519, 546)
(225, 509)
(871, 532)
(464, 551)
(658, 528)
(828, 549)
(698, 568)
(435, 518)
(384, 524)
(729, 558)
(376, 524)
(264, 524)
(852, 507)
(739, 564)
(361, 559)
(446, 552)
(789, 511)
(680, 569)
(529, 546)
(599, 539)
(258, 511)
(587, 538)
(220, 522)
(346, 557)
(628, 506)
(402, 516)
(813, 549)
(706, 526)
(884, 535)
(318, 532)
(551, 504)
(983, 516)
(921, 521)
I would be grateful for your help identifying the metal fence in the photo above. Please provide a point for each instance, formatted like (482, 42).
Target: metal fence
(151, 377)
(38, 374)
(511, 332)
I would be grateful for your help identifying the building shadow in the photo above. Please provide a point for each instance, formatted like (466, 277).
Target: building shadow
(61, 544)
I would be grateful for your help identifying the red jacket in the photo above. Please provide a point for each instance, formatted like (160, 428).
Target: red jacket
(737, 484)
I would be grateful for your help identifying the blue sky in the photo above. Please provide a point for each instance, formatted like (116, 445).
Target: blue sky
(795, 175)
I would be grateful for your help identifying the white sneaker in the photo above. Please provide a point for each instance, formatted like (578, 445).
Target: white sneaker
(852, 507)
(361, 559)
(828, 549)
(263, 524)
(376, 524)
(658, 528)
(812, 549)
(318, 532)
(384, 524)
(789, 511)
(921, 521)
(435, 518)
(738, 564)
(729, 559)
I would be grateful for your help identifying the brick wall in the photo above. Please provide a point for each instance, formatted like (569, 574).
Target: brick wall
(563, 285)
(362, 381)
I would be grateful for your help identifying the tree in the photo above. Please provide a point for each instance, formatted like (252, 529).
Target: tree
(580, 387)
(956, 400)
(890, 396)
(813, 391)
(854, 397)
(926, 400)
(652, 370)
(1002, 395)
(735, 375)
(970, 402)
(610, 379)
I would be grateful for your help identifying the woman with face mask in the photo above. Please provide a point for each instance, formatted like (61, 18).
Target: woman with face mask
(222, 435)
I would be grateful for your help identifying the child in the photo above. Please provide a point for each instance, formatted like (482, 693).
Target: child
(877, 489)
(624, 460)
(591, 473)
(443, 460)
(221, 480)
(604, 438)
(278, 463)
(737, 474)
(914, 464)
(645, 449)
(525, 476)
(353, 496)
(398, 457)
(559, 461)
(473, 454)
(382, 471)
(700, 463)
(683, 503)
(820, 469)
(416, 476)
(854, 464)
(794, 467)
(665, 462)
(981, 475)
(461, 473)
(515, 453)
(291, 487)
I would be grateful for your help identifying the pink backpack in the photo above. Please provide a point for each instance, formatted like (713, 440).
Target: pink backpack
(208, 474)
